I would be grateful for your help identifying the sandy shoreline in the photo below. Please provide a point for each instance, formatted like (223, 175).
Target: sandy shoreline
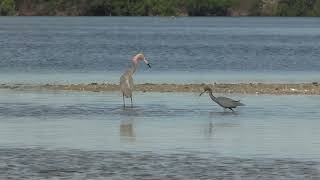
(245, 88)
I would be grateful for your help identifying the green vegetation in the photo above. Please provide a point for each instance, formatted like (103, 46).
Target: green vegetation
(161, 7)
(7, 7)
(298, 8)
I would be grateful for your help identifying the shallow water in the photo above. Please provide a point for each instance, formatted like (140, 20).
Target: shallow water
(84, 134)
(273, 126)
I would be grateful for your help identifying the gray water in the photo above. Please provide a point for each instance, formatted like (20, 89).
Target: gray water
(86, 135)
(99, 49)
(165, 135)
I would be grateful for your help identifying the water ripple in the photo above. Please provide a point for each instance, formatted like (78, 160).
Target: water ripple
(66, 164)
(148, 110)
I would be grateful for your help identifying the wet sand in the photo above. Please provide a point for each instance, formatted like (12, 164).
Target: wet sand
(244, 88)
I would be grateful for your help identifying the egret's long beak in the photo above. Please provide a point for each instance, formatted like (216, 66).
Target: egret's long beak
(147, 62)
(202, 93)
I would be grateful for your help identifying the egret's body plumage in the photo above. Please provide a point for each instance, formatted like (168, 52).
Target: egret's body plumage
(126, 80)
(126, 83)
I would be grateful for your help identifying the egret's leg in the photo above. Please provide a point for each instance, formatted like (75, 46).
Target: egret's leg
(124, 104)
(231, 109)
(131, 102)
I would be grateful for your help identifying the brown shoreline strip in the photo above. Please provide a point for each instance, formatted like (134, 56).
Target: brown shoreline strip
(245, 88)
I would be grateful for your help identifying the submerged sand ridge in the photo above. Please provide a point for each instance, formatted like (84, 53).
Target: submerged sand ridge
(245, 88)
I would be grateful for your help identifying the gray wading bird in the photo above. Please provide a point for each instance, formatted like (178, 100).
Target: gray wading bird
(224, 102)
(126, 80)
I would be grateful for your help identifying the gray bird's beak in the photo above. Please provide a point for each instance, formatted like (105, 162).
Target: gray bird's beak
(202, 93)
(149, 65)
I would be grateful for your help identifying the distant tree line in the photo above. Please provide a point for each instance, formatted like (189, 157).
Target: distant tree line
(117, 7)
(298, 8)
(161, 7)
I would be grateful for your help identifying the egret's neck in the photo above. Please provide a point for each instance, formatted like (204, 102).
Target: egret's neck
(134, 67)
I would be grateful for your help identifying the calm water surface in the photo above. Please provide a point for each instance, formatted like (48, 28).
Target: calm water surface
(85, 134)
(93, 49)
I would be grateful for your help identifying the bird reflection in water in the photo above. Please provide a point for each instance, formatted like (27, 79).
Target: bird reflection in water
(127, 132)
(212, 129)
(208, 130)
(213, 126)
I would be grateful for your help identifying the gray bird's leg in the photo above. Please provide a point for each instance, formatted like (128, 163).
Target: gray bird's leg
(131, 102)
(231, 109)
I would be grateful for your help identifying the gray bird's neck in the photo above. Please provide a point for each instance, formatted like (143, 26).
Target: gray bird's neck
(212, 96)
